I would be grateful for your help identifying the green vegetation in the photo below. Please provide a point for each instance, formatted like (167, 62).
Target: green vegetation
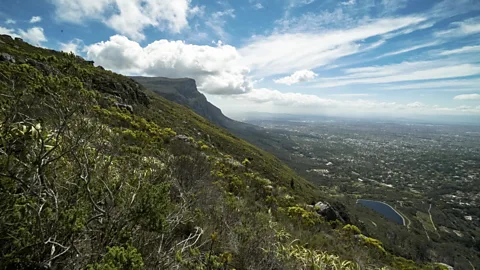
(87, 181)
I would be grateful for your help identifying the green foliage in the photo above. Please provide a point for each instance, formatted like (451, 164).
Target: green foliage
(118, 258)
(246, 162)
(304, 258)
(373, 242)
(351, 229)
(307, 217)
(152, 207)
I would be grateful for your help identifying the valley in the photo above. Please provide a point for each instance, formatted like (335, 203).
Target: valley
(427, 172)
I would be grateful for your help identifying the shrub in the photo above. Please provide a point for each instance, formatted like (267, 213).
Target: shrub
(351, 229)
(119, 258)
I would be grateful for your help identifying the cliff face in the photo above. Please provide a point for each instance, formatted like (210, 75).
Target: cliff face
(184, 91)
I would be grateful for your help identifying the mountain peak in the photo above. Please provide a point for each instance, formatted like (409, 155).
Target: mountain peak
(184, 91)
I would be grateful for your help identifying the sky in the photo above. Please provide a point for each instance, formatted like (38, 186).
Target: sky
(329, 57)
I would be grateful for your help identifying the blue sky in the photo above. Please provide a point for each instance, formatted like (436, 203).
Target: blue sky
(351, 57)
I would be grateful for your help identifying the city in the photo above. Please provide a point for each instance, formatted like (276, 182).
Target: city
(429, 173)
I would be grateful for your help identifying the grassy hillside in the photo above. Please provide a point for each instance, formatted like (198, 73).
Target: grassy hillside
(97, 172)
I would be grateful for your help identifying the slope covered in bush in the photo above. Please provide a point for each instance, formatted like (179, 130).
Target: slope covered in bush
(97, 172)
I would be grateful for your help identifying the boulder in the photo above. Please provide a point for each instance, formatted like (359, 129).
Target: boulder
(7, 37)
(328, 212)
(126, 89)
(5, 57)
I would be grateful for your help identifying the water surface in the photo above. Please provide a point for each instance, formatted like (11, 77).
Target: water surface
(384, 209)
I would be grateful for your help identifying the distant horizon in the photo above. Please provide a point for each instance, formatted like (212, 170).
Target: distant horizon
(427, 119)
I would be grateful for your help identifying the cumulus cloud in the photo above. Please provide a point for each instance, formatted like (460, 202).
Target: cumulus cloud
(10, 21)
(299, 76)
(74, 46)
(7, 31)
(215, 68)
(33, 35)
(467, 97)
(128, 17)
(35, 19)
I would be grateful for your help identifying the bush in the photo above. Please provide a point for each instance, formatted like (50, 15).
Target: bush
(118, 258)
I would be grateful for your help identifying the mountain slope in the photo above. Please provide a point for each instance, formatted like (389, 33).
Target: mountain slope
(184, 91)
(98, 172)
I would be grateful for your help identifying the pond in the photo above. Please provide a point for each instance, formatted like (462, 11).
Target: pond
(384, 209)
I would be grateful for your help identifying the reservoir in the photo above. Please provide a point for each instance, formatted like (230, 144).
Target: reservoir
(384, 209)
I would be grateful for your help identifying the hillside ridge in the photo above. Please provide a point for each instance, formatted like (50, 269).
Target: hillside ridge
(184, 91)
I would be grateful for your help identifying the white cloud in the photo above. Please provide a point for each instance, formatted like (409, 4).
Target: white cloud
(463, 28)
(466, 49)
(304, 75)
(217, 21)
(33, 35)
(258, 6)
(416, 105)
(445, 85)
(196, 11)
(285, 53)
(74, 46)
(7, 31)
(448, 8)
(297, 3)
(403, 72)
(10, 21)
(270, 100)
(352, 95)
(77, 11)
(35, 19)
(349, 3)
(467, 97)
(216, 69)
(413, 48)
(128, 17)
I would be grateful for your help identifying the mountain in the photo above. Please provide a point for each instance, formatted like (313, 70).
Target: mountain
(184, 91)
(98, 172)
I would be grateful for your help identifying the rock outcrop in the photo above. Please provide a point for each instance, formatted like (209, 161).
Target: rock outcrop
(328, 212)
(184, 91)
(5, 57)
